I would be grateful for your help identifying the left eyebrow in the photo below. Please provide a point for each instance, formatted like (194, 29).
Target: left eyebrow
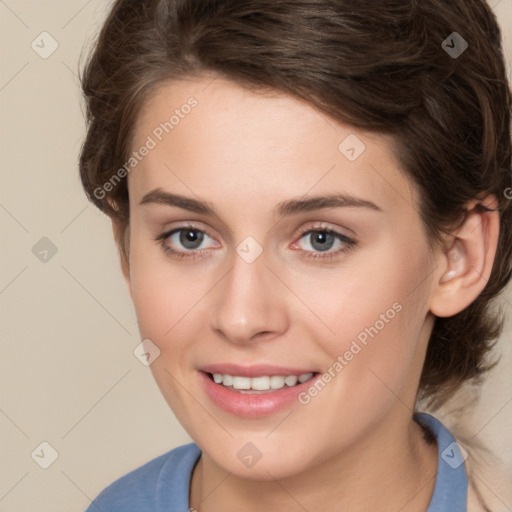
(293, 206)
(284, 208)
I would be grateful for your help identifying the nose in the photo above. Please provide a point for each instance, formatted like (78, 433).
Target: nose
(249, 303)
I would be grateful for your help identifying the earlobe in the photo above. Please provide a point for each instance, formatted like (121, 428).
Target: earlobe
(466, 262)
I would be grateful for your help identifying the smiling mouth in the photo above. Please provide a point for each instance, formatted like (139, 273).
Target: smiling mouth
(260, 384)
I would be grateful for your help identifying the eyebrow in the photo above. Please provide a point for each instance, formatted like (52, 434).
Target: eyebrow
(284, 208)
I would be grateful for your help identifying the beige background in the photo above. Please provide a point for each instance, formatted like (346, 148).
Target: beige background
(67, 372)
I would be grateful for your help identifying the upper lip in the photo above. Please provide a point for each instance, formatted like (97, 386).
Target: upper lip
(256, 370)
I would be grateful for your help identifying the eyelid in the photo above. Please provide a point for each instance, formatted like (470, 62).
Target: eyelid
(182, 226)
(324, 226)
(199, 227)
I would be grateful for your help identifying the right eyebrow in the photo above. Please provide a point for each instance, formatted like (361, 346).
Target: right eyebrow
(158, 196)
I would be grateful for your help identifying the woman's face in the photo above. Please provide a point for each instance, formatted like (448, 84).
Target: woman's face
(309, 259)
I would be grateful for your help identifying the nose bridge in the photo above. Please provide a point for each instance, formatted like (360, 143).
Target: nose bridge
(249, 300)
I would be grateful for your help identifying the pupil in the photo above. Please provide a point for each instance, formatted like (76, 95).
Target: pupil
(325, 240)
(190, 237)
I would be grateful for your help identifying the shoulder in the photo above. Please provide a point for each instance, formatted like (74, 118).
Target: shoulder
(154, 486)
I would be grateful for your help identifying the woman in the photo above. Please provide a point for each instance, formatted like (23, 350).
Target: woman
(310, 204)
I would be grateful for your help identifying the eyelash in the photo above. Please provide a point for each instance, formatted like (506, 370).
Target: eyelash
(311, 255)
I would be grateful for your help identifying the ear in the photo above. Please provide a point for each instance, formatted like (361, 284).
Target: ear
(466, 262)
(124, 252)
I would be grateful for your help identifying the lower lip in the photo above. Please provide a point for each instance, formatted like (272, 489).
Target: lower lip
(252, 405)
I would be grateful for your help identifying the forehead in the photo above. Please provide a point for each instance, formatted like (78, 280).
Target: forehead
(216, 139)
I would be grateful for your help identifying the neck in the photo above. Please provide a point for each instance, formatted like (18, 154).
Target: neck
(392, 469)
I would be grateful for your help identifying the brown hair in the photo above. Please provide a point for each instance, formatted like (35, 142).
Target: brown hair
(380, 66)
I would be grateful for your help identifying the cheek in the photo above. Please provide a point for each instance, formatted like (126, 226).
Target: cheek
(163, 290)
(372, 313)
(161, 297)
(166, 307)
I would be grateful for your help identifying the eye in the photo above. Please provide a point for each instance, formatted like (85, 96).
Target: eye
(320, 240)
(184, 241)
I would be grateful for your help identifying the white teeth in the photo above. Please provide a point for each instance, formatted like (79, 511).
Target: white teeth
(276, 382)
(260, 383)
(263, 383)
(290, 380)
(305, 377)
(241, 382)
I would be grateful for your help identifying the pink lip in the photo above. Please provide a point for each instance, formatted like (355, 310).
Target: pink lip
(257, 370)
(252, 405)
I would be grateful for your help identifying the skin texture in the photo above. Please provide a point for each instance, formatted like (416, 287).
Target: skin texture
(354, 446)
